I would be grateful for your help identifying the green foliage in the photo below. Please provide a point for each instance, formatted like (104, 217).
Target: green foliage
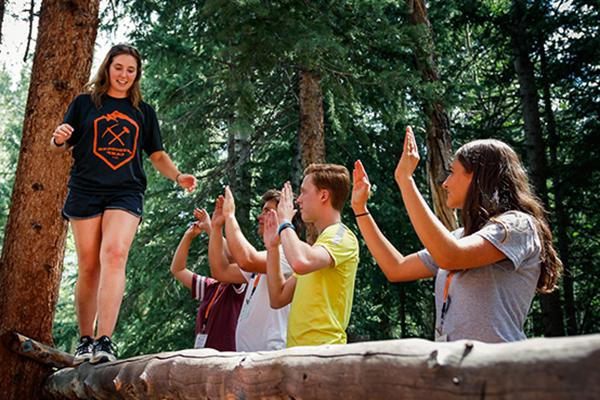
(215, 67)
(13, 95)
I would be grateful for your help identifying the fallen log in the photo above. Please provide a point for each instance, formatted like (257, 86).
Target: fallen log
(557, 368)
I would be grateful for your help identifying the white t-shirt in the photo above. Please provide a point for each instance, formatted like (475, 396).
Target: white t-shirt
(259, 326)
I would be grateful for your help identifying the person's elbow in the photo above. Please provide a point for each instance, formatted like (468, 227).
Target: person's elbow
(177, 273)
(390, 275)
(246, 262)
(157, 156)
(449, 261)
(277, 303)
(302, 266)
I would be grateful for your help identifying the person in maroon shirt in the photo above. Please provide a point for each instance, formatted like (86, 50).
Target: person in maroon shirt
(220, 303)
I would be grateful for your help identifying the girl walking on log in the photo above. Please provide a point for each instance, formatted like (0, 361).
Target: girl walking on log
(108, 127)
(487, 272)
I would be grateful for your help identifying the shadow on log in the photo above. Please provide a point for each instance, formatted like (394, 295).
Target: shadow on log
(557, 368)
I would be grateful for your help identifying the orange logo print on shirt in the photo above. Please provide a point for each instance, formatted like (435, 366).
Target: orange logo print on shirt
(115, 139)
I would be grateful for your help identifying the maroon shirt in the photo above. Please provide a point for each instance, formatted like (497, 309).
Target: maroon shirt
(218, 312)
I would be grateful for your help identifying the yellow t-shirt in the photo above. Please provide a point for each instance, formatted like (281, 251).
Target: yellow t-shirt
(322, 300)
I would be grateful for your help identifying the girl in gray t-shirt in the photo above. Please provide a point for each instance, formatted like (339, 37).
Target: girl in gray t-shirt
(487, 272)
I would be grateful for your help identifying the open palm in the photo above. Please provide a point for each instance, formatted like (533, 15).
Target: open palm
(410, 157)
(270, 236)
(218, 220)
(361, 188)
(203, 219)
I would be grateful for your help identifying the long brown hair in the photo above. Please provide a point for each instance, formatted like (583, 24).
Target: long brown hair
(99, 86)
(500, 184)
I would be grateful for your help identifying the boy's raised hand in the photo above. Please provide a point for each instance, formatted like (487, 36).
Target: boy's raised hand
(218, 220)
(228, 203)
(361, 188)
(203, 219)
(270, 236)
(285, 208)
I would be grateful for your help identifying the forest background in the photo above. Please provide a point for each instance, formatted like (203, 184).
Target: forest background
(224, 77)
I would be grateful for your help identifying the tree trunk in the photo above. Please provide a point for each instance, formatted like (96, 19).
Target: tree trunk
(439, 144)
(551, 308)
(2, 9)
(560, 368)
(562, 218)
(239, 172)
(312, 134)
(32, 257)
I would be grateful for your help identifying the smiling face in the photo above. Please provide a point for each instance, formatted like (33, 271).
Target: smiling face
(122, 74)
(269, 205)
(457, 185)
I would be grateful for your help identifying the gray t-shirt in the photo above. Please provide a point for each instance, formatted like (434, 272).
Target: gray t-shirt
(490, 303)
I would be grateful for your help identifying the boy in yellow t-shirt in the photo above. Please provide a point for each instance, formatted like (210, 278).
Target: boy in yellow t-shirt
(322, 286)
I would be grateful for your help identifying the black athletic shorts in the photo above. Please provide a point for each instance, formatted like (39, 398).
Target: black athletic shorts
(83, 205)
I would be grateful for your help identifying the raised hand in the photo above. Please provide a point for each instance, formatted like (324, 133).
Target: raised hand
(361, 188)
(409, 159)
(218, 220)
(194, 230)
(228, 204)
(285, 208)
(203, 219)
(62, 133)
(187, 182)
(270, 236)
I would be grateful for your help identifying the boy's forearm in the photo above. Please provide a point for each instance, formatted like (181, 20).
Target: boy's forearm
(296, 251)
(242, 251)
(217, 258)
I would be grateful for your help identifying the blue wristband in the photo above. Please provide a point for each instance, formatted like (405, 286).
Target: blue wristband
(284, 225)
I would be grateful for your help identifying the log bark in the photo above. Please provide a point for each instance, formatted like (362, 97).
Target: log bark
(37, 351)
(32, 256)
(312, 133)
(558, 368)
(439, 144)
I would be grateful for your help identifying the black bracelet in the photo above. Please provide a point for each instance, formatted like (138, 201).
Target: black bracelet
(56, 144)
(284, 225)
(361, 215)
(177, 177)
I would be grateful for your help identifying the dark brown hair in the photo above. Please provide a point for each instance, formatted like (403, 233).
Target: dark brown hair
(274, 194)
(334, 178)
(500, 184)
(99, 86)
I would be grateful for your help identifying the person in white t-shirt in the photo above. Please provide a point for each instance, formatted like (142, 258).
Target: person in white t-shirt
(259, 327)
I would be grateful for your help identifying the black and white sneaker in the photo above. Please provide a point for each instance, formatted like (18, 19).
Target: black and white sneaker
(84, 350)
(103, 351)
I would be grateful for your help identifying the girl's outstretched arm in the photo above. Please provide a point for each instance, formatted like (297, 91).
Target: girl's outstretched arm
(394, 265)
(447, 251)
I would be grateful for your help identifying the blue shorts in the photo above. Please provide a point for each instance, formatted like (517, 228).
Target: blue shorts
(84, 205)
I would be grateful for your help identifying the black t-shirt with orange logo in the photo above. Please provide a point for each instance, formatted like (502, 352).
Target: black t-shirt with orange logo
(107, 144)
